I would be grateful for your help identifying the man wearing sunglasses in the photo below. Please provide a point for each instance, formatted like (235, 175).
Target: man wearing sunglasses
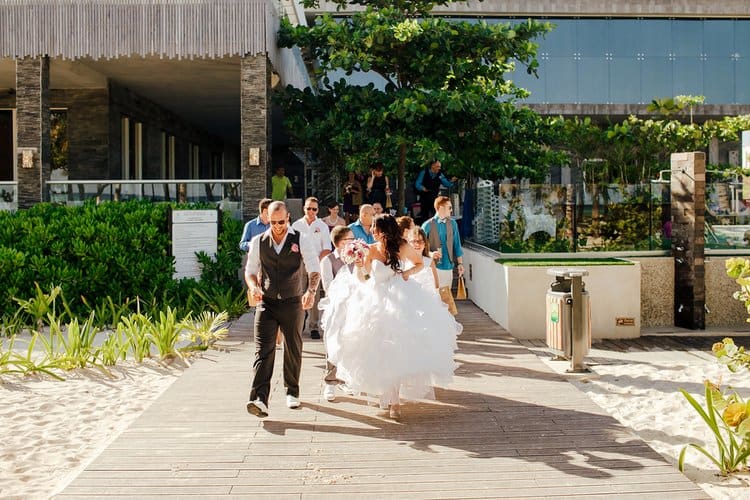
(276, 265)
(317, 231)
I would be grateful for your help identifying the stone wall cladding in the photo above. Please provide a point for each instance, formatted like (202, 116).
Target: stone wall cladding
(255, 81)
(723, 309)
(88, 130)
(688, 190)
(32, 118)
(657, 291)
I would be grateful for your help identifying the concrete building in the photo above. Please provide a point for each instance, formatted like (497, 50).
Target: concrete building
(141, 91)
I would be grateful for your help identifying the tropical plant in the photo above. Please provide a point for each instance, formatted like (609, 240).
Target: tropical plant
(727, 417)
(164, 333)
(738, 268)
(114, 348)
(77, 343)
(218, 300)
(732, 356)
(40, 305)
(205, 330)
(135, 328)
(443, 91)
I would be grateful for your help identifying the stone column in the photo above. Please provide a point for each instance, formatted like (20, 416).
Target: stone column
(688, 188)
(33, 139)
(255, 116)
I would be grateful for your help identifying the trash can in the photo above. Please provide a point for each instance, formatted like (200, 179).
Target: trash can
(568, 316)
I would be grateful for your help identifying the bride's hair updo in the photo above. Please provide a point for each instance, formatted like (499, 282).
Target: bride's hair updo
(392, 239)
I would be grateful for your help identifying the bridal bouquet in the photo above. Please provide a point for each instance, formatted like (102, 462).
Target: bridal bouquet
(355, 251)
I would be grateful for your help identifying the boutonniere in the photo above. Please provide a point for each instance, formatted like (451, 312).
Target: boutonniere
(317, 230)
(295, 248)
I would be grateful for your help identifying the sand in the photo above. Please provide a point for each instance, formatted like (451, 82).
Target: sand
(641, 389)
(53, 429)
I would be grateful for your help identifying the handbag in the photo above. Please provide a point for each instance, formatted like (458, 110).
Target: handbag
(461, 289)
(388, 202)
(447, 297)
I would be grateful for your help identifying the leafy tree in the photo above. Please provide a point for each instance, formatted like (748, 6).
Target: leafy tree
(445, 91)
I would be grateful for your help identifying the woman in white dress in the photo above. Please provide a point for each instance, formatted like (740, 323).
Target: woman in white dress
(427, 277)
(386, 334)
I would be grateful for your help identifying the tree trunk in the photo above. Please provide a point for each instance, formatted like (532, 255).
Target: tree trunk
(401, 203)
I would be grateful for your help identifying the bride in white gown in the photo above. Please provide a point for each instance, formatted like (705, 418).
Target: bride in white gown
(385, 333)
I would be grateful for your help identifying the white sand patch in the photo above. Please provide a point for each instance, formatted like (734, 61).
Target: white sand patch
(52, 429)
(641, 390)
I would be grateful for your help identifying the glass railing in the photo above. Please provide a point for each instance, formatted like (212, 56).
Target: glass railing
(8, 195)
(517, 218)
(226, 192)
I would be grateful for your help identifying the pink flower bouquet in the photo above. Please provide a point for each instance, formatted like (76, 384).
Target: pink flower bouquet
(355, 251)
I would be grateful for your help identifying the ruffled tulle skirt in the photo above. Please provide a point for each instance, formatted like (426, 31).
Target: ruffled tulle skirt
(387, 335)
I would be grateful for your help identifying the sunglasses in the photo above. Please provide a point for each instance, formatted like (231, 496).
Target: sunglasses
(278, 222)
(311, 209)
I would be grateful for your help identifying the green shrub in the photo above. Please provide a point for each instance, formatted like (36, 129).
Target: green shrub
(104, 257)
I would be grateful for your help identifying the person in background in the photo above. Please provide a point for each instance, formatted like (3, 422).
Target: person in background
(332, 219)
(427, 277)
(352, 197)
(317, 232)
(428, 184)
(281, 256)
(281, 186)
(378, 187)
(256, 226)
(330, 267)
(445, 245)
(406, 224)
(377, 209)
(361, 228)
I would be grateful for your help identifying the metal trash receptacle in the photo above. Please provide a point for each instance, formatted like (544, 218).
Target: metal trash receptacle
(568, 316)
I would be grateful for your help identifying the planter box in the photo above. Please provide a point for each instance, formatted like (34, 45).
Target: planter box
(514, 296)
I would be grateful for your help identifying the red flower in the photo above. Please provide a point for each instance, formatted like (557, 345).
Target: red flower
(295, 248)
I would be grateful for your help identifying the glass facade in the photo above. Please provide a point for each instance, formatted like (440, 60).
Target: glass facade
(632, 61)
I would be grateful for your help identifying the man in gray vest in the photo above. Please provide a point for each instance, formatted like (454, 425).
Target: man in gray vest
(275, 276)
(445, 245)
(330, 266)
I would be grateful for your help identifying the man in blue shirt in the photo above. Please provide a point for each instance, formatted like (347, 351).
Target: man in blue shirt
(361, 227)
(428, 184)
(445, 245)
(256, 226)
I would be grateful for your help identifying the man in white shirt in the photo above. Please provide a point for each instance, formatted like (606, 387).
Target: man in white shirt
(317, 232)
(330, 267)
(277, 261)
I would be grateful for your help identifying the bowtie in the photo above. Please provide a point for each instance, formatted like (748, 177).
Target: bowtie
(444, 221)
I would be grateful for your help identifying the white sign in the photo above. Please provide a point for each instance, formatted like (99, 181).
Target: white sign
(193, 231)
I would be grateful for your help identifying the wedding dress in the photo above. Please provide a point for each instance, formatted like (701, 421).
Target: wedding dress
(386, 333)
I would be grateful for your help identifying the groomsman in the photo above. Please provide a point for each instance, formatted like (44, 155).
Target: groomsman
(445, 245)
(280, 255)
(318, 233)
(330, 267)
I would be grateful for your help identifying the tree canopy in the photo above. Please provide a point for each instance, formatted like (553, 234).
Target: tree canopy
(444, 91)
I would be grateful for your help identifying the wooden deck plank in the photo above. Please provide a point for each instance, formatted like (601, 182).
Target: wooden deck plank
(508, 427)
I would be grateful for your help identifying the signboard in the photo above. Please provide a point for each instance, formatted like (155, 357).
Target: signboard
(193, 231)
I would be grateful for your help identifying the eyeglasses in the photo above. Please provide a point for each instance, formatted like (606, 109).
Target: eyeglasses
(312, 209)
(416, 242)
(278, 222)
